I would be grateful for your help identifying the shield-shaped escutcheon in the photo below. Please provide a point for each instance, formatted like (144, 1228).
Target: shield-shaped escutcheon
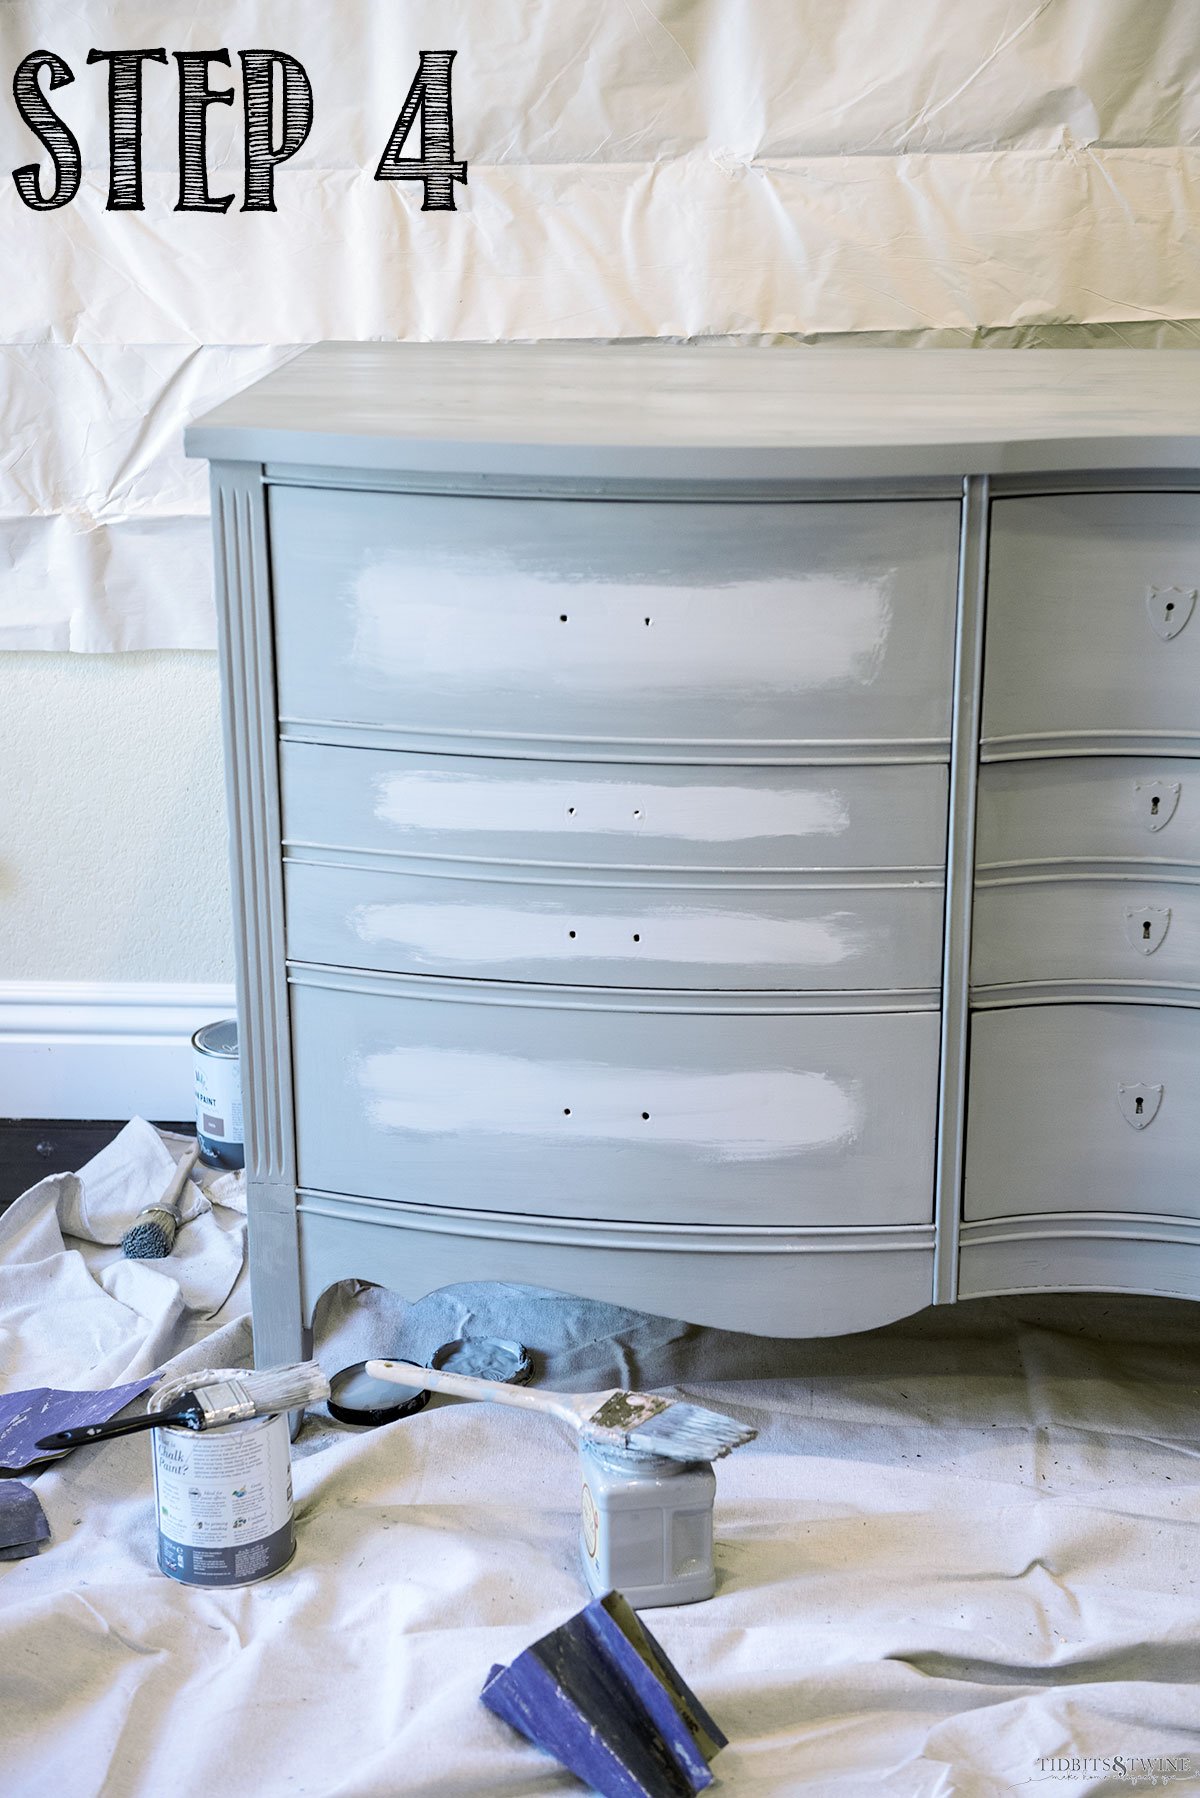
(1155, 801)
(1139, 1102)
(1169, 609)
(1146, 926)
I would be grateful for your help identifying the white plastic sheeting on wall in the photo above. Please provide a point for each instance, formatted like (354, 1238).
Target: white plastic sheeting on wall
(920, 173)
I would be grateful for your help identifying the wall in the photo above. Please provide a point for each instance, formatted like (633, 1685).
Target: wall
(112, 829)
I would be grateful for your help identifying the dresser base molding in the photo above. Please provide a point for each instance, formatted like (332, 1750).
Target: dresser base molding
(1080, 1252)
(766, 1281)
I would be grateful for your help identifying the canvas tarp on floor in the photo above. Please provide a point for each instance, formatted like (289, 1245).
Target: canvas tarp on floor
(961, 1550)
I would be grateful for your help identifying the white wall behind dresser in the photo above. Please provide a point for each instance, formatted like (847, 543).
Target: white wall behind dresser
(114, 893)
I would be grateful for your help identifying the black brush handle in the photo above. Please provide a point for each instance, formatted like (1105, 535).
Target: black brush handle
(184, 1410)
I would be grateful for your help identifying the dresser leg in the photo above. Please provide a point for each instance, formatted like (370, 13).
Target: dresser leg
(280, 1336)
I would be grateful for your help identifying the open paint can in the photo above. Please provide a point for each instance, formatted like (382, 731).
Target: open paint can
(219, 1094)
(223, 1496)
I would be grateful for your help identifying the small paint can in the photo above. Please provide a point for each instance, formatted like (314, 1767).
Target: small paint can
(223, 1497)
(219, 1094)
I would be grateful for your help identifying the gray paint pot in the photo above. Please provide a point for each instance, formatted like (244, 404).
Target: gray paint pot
(219, 1094)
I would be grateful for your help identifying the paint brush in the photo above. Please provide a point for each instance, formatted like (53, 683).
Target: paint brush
(152, 1233)
(635, 1421)
(253, 1394)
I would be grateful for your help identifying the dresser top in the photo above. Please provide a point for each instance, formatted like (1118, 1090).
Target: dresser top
(662, 411)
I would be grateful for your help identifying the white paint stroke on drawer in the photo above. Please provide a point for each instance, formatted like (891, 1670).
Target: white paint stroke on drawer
(737, 1117)
(662, 622)
(1054, 1120)
(731, 935)
(678, 1117)
(1108, 929)
(1078, 591)
(597, 815)
(1111, 809)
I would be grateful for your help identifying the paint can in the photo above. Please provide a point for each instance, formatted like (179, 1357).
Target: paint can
(223, 1497)
(219, 1094)
(646, 1527)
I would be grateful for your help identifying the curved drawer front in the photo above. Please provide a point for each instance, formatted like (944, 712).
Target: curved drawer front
(673, 625)
(513, 1100)
(587, 815)
(1110, 809)
(1091, 630)
(1084, 1108)
(1090, 930)
(734, 935)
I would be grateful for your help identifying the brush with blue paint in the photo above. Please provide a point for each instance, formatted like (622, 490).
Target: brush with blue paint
(634, 1422)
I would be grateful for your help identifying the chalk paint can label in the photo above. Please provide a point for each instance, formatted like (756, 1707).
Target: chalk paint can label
(591, 1523)
(224, 1500)
(219, 1094)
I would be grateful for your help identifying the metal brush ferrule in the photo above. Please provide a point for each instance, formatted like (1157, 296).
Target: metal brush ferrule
(225, 1401)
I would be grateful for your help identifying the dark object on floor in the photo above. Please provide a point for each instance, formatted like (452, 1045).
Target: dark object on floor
(23, 1525)
(25, 1417)
(252, 1394)
(599, 1694)
(355, 1398)
(152, 1234)
(31, 1148)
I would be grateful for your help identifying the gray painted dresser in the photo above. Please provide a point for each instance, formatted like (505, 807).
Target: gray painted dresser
(655, 876)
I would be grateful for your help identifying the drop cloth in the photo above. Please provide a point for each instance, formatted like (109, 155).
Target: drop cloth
(958, 1545)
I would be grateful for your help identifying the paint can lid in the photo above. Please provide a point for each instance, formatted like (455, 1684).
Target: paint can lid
(220, 1038)
(354, 1397)
(485, 1358)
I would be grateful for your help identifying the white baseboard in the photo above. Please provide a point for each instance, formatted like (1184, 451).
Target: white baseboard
(101, 1049)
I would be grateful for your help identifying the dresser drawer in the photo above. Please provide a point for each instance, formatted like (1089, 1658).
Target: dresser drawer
(587, 815)
(1084, 1108)
(1110, 809)
(533, 1101)
(1090, 930)
(715, 629)
(737, 934)
(1091, 630)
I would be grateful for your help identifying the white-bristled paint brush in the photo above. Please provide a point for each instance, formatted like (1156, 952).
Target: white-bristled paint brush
(252, 1394)
(636, 1421)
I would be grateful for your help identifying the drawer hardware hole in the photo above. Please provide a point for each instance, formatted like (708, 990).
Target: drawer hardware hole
(571, 934)
(636, 937)
(1154, 805)
(637, 811)
(562, 617)
(566, 1111)
(645, 1117)
(645, 621)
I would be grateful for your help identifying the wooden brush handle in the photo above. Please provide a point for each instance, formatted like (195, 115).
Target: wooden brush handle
(179, 1178)
(488, 1392)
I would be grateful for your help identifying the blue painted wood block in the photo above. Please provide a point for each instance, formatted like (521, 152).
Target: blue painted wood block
(600, 1695)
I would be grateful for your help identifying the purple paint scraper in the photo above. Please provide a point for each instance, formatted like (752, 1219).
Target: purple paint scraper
(600, 1695)
(27, 1416)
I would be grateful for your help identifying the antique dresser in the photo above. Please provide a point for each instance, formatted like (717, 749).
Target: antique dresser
(715, 828)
